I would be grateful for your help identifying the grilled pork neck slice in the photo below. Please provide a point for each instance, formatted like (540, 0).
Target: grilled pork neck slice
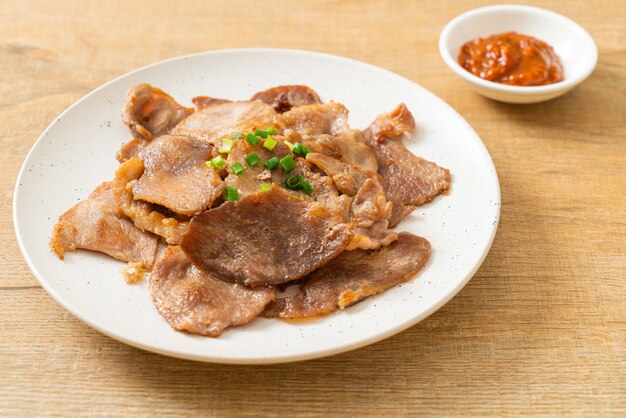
(97, 224)
(146, 216)
(316, 119)
(201, 303)
(410, 181)
(344, 147)
(214, 123)
(150, 112)
(352, 277)
(283, 98)
(266, 238)
(370, 210)
(176, 177)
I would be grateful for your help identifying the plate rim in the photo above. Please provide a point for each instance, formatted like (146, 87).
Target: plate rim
(340, 348)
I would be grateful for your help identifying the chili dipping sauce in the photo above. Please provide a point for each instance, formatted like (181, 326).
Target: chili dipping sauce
(512, 58)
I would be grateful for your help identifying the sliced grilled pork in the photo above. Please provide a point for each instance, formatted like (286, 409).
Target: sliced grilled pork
(144, 215)
(249, 181)
(410, 181)
(283, 98)
(352, 277)
(370, 212)
(347, 177)
(213, 123)
(176, 177)
(97, 224)
(330, 118)
(150, 112)
(267, 238)
(344, 147)
(200, 303)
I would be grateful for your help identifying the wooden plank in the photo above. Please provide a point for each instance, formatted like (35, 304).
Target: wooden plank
(540, 330)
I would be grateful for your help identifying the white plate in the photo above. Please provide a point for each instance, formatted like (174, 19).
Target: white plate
(77, 152)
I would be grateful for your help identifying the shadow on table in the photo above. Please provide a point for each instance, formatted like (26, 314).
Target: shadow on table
(572, 110)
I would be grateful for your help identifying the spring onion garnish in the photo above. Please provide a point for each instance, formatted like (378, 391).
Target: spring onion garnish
(271, 130)
(265, 187)
(218, 162)
(306, 186)
(271, 163)
(226, 147)
(237, 168)
(253, 159)
(269, 143)
(287, 163)
(300, 149)
(252, 140)
(290, 145)
(294, 182)
(231, 193)
(262, 134)
(236, 135)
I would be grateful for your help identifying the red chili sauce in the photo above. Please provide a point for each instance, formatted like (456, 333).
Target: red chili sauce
(512, 58)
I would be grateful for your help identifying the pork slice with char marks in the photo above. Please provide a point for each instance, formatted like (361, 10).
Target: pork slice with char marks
(410, 181)
(248, 182)
(369, 209)
(370, 212)
(97, 224)
(344, 147)
(146, 216)
(150, 112)
(201, 303)
(330, 118)
(267, 238)
(223, 120)
(348, 178)
(284, 98)
(175, 175)
(352, 277)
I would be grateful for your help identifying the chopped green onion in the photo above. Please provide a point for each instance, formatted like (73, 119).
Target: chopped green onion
(237, 168)
(236, 135)
(265, 187)
(294, 182)
(269, 143)
(271, 130)
(290, 145)
(306, 186)
(208, 164)
(253, 159)
(262, 134)
(300, 149)
(232, 193)
(218, 162)
(271, 163)
(252, 140)
(287, 163)
(226, 147)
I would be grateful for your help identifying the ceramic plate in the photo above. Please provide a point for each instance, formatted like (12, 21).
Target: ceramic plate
(77, 152)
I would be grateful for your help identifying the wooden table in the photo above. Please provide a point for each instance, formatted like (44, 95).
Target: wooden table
(540, 329)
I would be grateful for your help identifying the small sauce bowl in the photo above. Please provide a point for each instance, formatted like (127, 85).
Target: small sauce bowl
(574, 46)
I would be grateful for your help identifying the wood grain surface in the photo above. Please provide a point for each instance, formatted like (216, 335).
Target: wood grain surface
(540, 329)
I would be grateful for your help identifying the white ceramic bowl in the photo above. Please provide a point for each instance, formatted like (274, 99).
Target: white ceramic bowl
(574, 46)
